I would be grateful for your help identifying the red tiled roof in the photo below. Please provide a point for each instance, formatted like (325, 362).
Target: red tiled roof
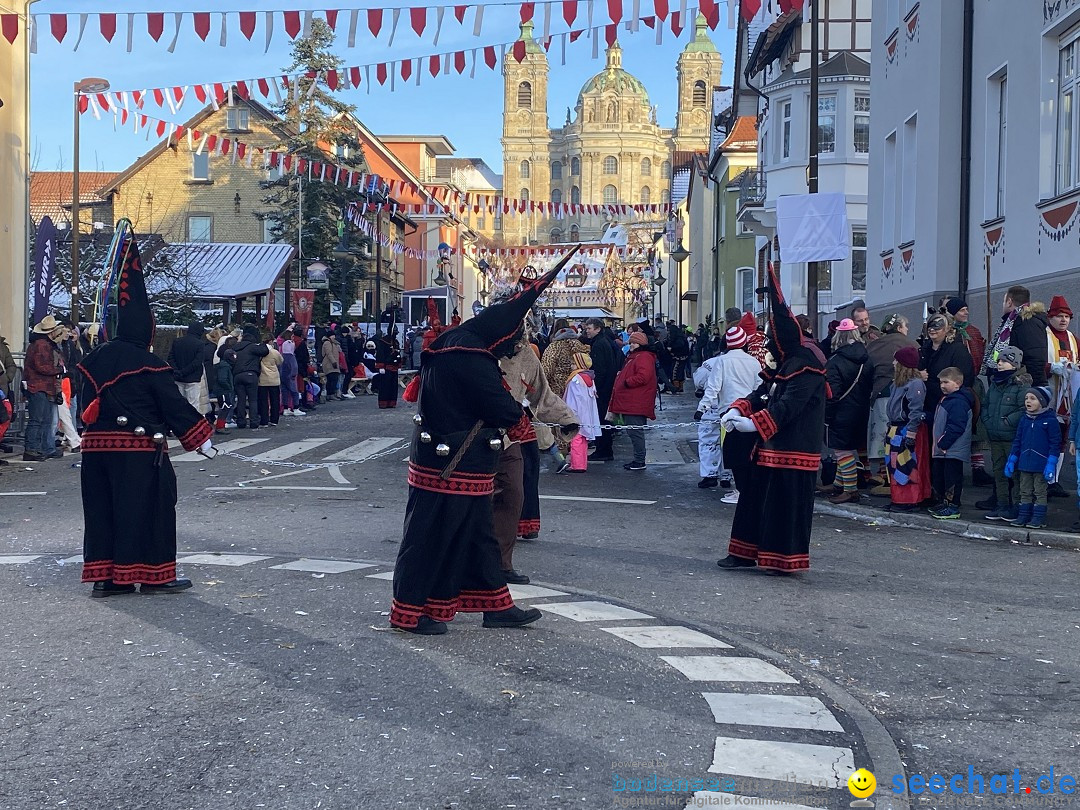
(743, 134)
(50, 193)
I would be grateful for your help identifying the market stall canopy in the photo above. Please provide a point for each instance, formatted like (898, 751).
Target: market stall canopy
(227, 270)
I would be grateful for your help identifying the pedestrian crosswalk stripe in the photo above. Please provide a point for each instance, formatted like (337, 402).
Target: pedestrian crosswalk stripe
(708, 798)
(533, 592)
(365, 449)
(651, 637)
(727, 668)
(794, 764)
(76, 560)
(17, 559)
(322, 566)
(291, 449)
(232, 560)
(591, 611)
(231, 446)
(383, 575)
(775, 711)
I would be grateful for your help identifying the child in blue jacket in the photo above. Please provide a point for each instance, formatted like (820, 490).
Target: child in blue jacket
(1034, 455)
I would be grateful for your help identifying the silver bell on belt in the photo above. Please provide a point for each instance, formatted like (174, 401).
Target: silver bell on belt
(495, 444)
(140, 431)
(121, 421)
(425, 437)
(417, 419)
(442, 449)
(158, 438)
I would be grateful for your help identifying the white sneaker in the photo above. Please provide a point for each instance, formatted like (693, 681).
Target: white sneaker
(348, 395)
(298, 412)
(287, 412)
(230, 425)
(731, 497)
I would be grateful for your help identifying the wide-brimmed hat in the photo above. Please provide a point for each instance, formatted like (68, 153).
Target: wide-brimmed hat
(47, 326)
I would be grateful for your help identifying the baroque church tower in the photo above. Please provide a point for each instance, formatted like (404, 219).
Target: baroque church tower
(611, 148)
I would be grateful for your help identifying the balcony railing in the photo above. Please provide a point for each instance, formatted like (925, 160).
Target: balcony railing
(751, 187)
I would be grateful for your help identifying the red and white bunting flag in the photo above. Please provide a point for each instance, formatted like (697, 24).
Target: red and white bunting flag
(107, 25)
(331, 15)
(201, 21)
(375, 21)
(750, 8)
(58, 24)
(292, 23)
(418, 19)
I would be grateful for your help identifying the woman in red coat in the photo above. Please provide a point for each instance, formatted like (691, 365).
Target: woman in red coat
(634, 395)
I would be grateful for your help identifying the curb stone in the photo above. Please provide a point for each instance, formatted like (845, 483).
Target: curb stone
(963, 528)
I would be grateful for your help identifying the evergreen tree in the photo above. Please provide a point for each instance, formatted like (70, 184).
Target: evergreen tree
(319, 129)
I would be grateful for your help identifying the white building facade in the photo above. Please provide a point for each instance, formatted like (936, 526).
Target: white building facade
(932, 230)
(779, 68)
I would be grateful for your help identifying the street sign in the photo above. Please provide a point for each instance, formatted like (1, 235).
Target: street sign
(335, 308)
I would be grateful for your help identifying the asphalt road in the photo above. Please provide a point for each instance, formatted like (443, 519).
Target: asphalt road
(282, 688)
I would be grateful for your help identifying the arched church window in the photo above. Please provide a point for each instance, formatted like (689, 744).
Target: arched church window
(556, 170)
(525, 96)
(526, 170)
(611, 195)
(575, 167)
(575, 195)
(575, 234)
(611, 165)
(699, 94)
(556, 196)
(556, 236)
(524, 196)
(646, 168)
(646, 195)
(665, 170)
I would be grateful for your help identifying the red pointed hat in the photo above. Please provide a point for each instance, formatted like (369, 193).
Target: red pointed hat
(1059, 306)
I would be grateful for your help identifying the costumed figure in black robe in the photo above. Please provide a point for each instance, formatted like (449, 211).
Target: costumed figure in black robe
(387, 365)
(449, 559)
(772, 523)
(128, 484)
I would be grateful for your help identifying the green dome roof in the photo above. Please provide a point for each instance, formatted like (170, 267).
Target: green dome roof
(614, 78)
(701, 42)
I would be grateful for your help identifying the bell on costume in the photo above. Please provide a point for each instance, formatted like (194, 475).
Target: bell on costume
(442, 449)
(425, 437)
(122, 421)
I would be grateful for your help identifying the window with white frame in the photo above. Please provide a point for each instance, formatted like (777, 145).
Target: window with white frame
(525, 170)
(268, 225)
(237, 118)
(1068, 125)
(611, 195)
(200, 228)
(785, 129)
(999, 89)
(827, 123)
(888, 196)
(200, 165)
(861, 124)
(744, 279)
(611, 165)
(858, 260)
(910, 161)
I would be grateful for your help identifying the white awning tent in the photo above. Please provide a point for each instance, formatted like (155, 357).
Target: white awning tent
(581, 313)
(225, 271)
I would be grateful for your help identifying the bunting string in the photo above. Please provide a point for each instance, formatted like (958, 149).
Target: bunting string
(431, 200)
(274, 88)
(296, 23)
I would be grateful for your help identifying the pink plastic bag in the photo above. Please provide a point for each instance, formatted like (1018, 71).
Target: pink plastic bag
(579, 453)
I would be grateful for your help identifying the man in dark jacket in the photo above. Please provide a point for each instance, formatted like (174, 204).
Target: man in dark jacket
(249, 354)
(1023, 325)
(606, 362)
(41, 373)
(186, 358)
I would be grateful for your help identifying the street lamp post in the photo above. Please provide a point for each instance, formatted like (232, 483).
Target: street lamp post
(679, 255)
(89, 85)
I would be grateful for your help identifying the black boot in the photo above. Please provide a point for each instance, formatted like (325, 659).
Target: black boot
(175, 586)
(425, 626)
(514, 578)
(988, 503)
(511, 617)
(732, 563)
(109, 588)
(981, 478)
(1056, 490)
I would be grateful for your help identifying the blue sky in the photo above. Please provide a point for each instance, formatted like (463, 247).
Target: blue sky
(467, 111)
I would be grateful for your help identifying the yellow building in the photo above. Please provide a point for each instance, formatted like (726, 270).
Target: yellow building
(611, 149)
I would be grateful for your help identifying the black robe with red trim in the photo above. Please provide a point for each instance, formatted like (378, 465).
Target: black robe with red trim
(388, 362)
(128, 484)
(773, 518)
(449, 559)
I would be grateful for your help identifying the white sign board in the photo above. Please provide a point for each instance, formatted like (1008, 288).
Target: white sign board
(813, 228)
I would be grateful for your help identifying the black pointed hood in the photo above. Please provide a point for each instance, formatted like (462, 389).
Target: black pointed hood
(134, 318)
(491, 329)
(786, 335)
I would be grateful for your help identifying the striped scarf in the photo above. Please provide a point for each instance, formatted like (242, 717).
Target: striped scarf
(1001, 339)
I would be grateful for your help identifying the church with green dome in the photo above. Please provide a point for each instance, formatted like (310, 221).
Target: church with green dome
(611, 148)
